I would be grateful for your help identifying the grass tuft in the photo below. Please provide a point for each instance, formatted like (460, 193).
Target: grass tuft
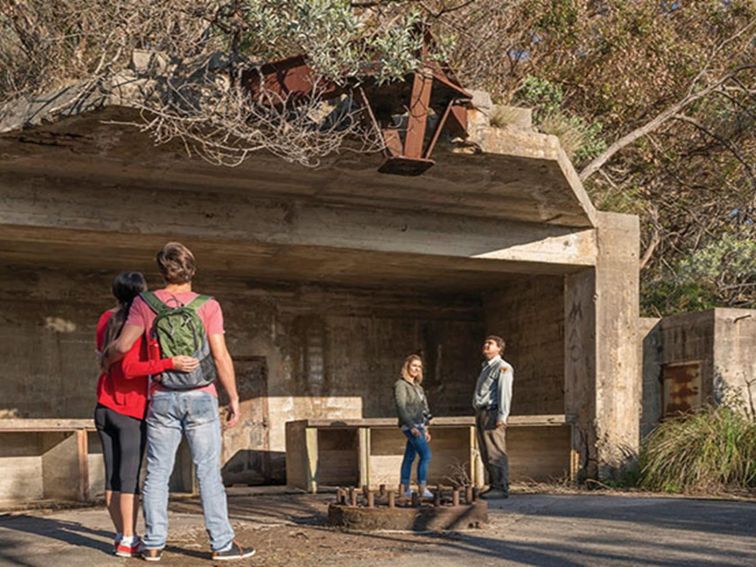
(712, 450)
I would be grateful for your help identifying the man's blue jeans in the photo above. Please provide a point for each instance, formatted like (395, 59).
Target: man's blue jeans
(416, 446)
(194, 414)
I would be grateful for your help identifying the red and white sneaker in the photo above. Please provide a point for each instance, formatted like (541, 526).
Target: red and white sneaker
(130, 549)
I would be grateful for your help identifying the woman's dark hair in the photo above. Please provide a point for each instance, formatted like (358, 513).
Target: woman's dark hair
(126, 286)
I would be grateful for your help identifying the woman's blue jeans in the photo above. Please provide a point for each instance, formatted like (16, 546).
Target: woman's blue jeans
(416, 446)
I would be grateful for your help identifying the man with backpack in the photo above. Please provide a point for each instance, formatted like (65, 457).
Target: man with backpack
(183, 322)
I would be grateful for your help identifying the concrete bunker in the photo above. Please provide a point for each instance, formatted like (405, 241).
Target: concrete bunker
(328, 278)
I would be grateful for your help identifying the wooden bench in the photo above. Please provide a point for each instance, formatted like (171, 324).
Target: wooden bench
(358, 452)
(45, 459)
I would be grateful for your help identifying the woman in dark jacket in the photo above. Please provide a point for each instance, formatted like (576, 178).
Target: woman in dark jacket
(413, 414)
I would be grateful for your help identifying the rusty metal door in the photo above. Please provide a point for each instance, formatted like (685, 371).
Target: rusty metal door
(246, 448)
(681, 387)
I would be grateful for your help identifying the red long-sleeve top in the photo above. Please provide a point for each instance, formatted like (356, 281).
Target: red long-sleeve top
(124, 388)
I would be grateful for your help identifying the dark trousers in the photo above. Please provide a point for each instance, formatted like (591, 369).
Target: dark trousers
(123, 440)
(493, 449)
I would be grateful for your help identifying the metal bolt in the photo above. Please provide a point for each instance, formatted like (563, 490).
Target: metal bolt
(415, 500)
(468, 495)
(370, 499)
(352, 497)
(391, 499)
(455, 497)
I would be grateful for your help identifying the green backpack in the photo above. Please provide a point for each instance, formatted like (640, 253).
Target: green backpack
(179, 331)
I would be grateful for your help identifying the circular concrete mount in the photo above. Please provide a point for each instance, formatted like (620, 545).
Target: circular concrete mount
(423, 518)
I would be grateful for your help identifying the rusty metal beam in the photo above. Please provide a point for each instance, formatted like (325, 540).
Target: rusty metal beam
(287, 79)
(417, 119)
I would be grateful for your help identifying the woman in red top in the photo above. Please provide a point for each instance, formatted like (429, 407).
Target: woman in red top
(122, 394)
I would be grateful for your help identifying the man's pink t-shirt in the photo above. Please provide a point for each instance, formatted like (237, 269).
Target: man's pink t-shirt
(141, 315)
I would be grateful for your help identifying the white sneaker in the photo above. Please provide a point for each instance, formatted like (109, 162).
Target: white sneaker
(427, 494)
(408, 493)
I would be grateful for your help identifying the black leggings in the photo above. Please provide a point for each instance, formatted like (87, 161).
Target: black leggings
(123, 440)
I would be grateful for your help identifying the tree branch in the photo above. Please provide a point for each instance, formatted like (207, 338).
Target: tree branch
(655, 123)
(726, 143)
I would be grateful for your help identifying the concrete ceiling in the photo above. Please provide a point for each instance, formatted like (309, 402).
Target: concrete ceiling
(530, 181)
(86, 252)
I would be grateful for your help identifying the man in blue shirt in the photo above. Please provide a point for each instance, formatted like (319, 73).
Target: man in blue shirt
(491, 402)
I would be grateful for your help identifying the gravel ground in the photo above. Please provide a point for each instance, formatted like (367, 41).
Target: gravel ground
(527, 529)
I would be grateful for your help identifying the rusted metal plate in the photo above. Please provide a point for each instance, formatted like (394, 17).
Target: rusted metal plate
(681, 387)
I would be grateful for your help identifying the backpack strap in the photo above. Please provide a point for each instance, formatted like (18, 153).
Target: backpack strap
(153, 302)
(198, 302)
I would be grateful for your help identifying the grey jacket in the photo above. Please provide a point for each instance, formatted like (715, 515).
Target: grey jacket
(493, 390)
(411, 404)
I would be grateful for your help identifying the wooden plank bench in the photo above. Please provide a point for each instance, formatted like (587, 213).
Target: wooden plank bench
(358, 452)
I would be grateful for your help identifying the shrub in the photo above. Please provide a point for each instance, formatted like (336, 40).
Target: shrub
(580, 139)
(711, 450)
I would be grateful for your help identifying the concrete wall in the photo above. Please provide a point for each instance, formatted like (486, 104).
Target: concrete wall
(529, 315)
(315, 352)
(722, 341)
(649, 345)
(735, 354)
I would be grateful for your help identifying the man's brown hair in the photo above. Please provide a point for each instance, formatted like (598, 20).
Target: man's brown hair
(176, 263)
(498, 340)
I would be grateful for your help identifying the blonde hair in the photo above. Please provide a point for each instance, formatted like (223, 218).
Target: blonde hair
(405, 369)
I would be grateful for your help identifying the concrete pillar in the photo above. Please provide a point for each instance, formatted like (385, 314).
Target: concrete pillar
(618, 388)
(580, 367)
(602, 378)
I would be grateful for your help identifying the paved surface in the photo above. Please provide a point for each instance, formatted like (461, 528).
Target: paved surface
(558, 530)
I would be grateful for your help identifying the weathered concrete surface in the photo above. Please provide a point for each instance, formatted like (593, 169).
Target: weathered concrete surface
(329, 276)
(300, 352)
(529, 314)
(721, 342)
(424, 518)
(602, 389)
(735, 353)
(649, 343)
(618, 391)
(543, 530)
(522, 176)
(44, 209)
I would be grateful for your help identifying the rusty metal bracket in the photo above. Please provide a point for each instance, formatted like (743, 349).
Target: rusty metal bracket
(433, 91)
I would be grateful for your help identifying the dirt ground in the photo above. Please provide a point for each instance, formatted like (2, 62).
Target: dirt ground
(527, 529)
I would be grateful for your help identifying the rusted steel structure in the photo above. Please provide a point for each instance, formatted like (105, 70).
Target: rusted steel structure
(431, 98)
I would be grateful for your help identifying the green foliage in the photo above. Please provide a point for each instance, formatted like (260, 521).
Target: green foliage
(580, 138)
(708, 451)
(723, 272)
(336, 41)
(540, 94)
